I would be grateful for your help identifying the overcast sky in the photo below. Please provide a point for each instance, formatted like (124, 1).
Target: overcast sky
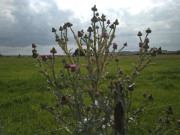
(23, 22)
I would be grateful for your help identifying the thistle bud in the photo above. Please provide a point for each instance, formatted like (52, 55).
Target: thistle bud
(42, 106)
(80, 33)
(97, 27)
(66, 65)
(131, 87)
(103, 18)
(35, 55)
(65, 26)
(60, 28)
(64, 100)
(53, 50)
(34, 51)
(94, 8)
(53, 30)
(112, 26)
(116, 22)
(169, 110)
(90, 29)
(69, 24)
(139, 34)
(148, 30)
(85, 36)
(114, 45)
(159, 50)
(125, 44)
(150, 97)
(111, 85)
(117, 60)
(108, 22)
(147, 40)
(94, 19)
(154, 52)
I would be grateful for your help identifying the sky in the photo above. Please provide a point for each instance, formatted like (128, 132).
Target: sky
(23, 22)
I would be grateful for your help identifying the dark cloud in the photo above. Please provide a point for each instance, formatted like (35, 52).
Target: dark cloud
(26, 21)
(32, 25)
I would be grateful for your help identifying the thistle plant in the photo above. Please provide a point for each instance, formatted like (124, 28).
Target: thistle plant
(82, 106)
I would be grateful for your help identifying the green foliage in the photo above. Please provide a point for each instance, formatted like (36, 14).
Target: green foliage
(22, 90)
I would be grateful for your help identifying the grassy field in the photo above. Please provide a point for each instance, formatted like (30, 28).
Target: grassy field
(23, 88)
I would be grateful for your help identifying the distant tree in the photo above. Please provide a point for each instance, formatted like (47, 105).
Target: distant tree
(81, 53)
(178, 52)
(159, 50)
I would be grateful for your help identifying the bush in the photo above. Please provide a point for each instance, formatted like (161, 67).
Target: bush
(82, 106)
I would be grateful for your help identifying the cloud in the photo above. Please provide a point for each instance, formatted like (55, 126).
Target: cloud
(26, 21)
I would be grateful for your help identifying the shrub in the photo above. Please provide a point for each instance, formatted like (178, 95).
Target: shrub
(83, 107)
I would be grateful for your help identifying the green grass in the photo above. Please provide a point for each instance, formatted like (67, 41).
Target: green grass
(23, 88)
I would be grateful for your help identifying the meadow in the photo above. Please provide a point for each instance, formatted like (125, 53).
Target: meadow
(23, 89)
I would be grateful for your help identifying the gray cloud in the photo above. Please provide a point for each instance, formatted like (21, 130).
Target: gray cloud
(24, 21)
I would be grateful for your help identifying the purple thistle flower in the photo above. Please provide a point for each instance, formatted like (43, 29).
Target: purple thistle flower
(168, 120)
(73, 67)
(140, 44)
(144, 94)
(80, 33)
(34, 45)
(104, 34)
(88, 108)
(120, 71)
(160, 119)
(49, 56)
(147, 40)
(92, 58)
(44, 57)
(114, 45)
